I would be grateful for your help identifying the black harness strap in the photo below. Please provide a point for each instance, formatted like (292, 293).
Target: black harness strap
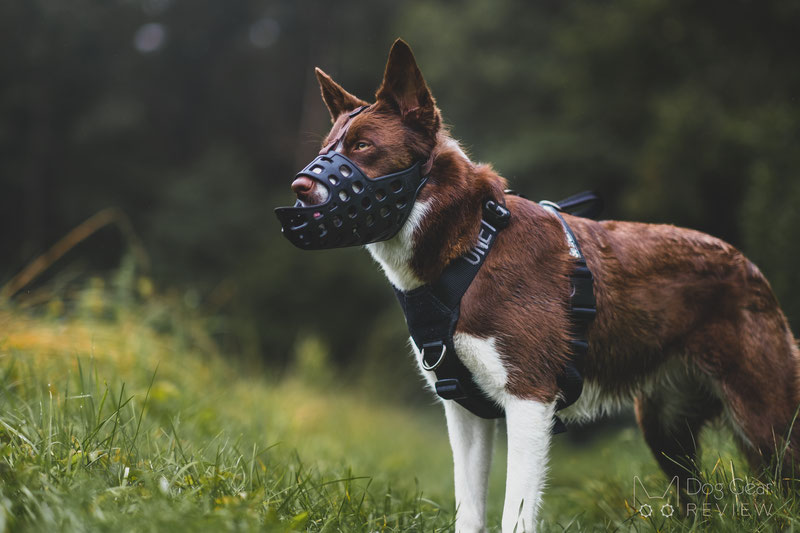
(585, 204)
(432, 312)
(583, 309)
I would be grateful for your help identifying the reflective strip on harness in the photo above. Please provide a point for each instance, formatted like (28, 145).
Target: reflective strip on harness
(583, 308)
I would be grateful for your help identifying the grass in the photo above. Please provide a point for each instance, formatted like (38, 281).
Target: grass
(122, 416)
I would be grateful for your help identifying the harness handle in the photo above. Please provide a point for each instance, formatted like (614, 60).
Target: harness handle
(586, 204)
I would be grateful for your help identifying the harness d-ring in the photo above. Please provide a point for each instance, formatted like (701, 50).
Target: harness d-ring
(438, 362)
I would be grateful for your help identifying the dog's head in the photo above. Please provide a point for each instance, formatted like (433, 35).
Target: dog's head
(374, 162)
(393, 133)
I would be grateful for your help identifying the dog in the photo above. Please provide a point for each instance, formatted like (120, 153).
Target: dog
(687, 328)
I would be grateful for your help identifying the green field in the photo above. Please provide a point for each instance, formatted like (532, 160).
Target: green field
(120, 414)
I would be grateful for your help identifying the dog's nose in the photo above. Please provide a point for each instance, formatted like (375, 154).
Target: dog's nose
(302, 185)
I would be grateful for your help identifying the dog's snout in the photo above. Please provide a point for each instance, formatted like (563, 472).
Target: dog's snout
(302, 185)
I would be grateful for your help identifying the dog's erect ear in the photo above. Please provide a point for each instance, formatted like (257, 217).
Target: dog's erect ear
(404, 87)
(336, 98)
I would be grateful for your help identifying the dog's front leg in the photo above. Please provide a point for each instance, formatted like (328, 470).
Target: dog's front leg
(471, 438)
(529, 425)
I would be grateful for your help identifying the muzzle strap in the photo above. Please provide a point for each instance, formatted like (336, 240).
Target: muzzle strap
(359, 210)
(343, 130)
(425, 169)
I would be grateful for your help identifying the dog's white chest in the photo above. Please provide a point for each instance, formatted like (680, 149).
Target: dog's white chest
(482, 359)
(395, 255)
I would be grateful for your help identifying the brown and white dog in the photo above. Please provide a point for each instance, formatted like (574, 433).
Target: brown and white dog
(687, 328)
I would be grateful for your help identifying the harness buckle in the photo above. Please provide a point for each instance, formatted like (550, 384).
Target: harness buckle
(429, 346)
(497, 214)
(450, 389)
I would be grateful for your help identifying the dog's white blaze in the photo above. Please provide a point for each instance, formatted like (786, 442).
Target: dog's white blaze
(529, 427)
(394, 255)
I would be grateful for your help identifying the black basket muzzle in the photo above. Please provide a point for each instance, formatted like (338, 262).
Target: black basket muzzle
(358, 210)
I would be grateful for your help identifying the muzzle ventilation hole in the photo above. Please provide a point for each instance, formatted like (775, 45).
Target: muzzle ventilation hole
(345, 221)
(298, 222)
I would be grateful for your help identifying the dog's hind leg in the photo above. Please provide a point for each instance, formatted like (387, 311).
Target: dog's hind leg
(671, 416)
(529, 427)
(754, 363)
(471, 439)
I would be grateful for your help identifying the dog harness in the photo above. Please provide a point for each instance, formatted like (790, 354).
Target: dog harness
(432, 312)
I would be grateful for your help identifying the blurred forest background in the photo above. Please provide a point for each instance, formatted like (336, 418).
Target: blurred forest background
(193, 116)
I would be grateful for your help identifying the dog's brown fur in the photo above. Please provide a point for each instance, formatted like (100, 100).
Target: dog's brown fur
(665, 295)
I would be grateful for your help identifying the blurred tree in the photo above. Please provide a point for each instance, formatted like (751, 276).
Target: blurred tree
(677, 112)
(192, 116)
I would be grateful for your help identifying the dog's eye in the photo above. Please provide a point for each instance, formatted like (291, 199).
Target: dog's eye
(360, 145)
